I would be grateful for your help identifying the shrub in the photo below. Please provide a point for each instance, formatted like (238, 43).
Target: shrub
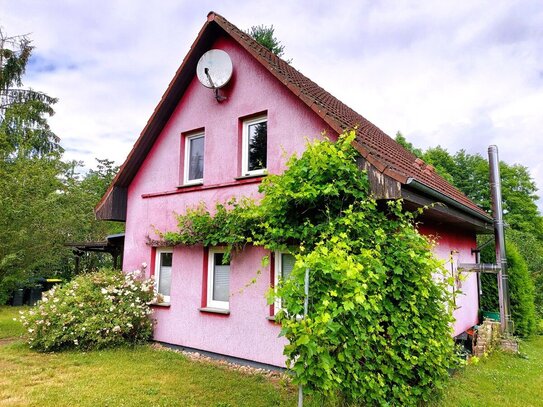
(96, 310)
(531, 249)
(378, 331)
(521, 290)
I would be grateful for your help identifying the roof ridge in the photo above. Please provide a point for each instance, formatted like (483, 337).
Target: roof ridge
(393, 156)
(377, 147)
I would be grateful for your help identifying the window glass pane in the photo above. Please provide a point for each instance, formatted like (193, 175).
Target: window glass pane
(258, 138)
(165, 275)
(196, 158)
(221, 278)
(287, 264)
(166, 259)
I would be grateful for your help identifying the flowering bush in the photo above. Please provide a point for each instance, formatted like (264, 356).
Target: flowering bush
(96, 310)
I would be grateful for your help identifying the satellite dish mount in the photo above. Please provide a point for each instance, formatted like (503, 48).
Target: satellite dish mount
(214, 70)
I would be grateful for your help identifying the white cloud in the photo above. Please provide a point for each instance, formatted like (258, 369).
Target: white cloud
(458, 74)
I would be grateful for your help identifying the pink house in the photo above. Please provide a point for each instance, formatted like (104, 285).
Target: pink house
(196, 148)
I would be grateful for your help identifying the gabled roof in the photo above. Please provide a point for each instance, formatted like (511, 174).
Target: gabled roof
(377, 148)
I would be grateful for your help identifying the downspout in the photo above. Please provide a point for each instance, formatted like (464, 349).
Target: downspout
(499, 237)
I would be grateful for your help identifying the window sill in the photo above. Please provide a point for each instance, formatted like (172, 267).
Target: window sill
(160, 304)
(191, 184)
(271, 318)
(212, 310)
(248, 176)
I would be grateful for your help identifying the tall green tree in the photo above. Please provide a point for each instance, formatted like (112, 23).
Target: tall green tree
(44, 201)
(24, 131)
(400, 139)
(521, 289)
(29, 168)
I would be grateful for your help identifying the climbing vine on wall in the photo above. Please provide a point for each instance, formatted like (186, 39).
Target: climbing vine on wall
(378, 330)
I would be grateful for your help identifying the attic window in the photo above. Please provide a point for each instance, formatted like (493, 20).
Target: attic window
(255, 148)
(194, 159)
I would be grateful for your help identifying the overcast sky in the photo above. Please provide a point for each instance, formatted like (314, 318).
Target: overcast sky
(461, 74)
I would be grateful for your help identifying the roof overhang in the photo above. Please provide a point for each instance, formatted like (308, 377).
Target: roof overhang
(441, 210)
(113, 244)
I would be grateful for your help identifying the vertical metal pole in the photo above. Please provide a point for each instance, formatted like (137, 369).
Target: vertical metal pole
(499, 236)
(306, 306)
(479, 285)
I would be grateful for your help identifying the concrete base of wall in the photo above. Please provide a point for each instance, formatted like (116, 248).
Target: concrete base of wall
(226, 358)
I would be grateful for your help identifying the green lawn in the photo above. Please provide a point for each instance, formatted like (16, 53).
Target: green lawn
(141, 376)
(8, 327)
(144, 376)
(501, 380)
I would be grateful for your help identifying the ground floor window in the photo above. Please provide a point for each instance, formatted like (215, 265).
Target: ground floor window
(218, 280)
(284, 263)
(163, 272)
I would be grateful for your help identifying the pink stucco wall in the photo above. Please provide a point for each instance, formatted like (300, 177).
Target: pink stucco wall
(245, 332)
(453, 247)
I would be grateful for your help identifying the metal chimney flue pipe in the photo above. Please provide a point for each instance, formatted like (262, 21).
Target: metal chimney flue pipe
(499, 236)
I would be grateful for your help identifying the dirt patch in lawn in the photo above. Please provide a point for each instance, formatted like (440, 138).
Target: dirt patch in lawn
(7, 341)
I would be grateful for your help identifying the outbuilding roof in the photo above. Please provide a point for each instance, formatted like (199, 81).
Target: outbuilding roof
(377, 148)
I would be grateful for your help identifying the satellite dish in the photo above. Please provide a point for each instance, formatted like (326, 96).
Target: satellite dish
(214, 69)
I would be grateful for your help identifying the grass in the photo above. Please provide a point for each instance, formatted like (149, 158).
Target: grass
(144, 376)
(501, 380)
(140, 376)
(8, 327)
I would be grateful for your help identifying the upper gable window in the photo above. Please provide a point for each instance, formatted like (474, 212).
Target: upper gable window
(255, 149)
(194, 159)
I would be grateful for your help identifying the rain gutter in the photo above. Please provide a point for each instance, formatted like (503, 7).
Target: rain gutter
(413, 183)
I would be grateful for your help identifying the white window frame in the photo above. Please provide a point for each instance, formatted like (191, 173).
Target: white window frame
(186, 168)
(159, 251)
(277, 306)
(211, 303)
(245, 146)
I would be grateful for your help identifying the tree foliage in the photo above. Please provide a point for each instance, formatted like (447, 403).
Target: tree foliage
(369, 269)
(264, 35)
(531, 250)
(44, 201)
(521, 289)
(24, 131)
